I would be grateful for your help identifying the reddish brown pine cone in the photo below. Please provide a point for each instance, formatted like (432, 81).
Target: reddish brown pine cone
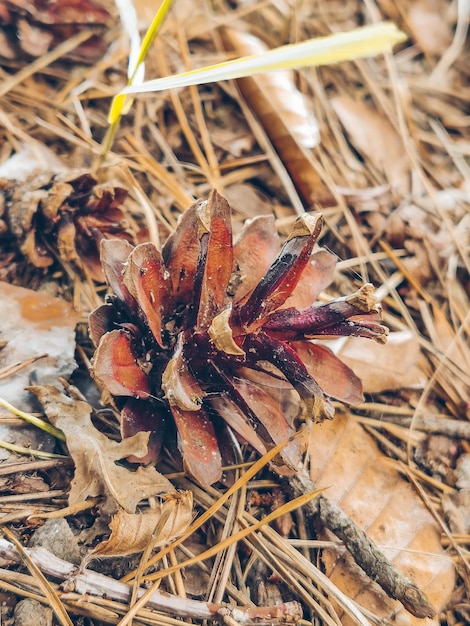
(199, 336)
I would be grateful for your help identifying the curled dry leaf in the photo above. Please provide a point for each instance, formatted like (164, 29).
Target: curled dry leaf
(346, 461)
(133, 532)
(95, 456)
(285, 116)
(374, 137)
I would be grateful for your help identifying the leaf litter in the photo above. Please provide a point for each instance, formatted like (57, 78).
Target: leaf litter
(392, 162)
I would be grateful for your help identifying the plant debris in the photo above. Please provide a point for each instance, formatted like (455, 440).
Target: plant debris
(388, 170)
(64, 216)
(30, 29)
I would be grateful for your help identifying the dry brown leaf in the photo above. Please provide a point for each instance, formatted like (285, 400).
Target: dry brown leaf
(346, 461)
(383, 367)
(444, 339)
(132, 532)
(426, 20)
(375, 138)
(95, 456)
(34, 323)
(284, 114)
(452, 366)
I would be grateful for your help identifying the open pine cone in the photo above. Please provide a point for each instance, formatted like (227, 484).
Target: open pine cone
(197, 339)
(65, 216)
(33, 27)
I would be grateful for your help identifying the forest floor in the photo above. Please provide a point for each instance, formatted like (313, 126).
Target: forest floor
(380, 147)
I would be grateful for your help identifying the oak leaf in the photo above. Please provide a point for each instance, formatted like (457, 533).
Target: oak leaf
(95, 456)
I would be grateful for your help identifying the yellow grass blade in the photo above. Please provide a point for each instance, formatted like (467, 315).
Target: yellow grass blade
(153, 29)
(241, 534)
(122, 103)
(361, 42)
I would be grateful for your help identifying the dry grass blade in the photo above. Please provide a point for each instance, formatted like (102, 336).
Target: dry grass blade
(221, 545)
(241, 534)
(307, 580)
(247, 475)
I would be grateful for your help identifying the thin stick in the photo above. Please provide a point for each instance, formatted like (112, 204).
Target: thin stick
(92, 584)
(364, 551)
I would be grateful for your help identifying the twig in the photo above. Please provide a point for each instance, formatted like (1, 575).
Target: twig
(457, 429)
(364, 551)
(94, 584)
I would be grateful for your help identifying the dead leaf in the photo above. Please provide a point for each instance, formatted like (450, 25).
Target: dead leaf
(95, 456)
(285, 116)
(394, 365)
(132, 532)
(346, 461)
(426, 20)
(450, 367)
(32, 157)
(37, 335)
(33, 323)
(374, 137)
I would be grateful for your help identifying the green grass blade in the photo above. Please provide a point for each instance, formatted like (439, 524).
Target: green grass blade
(35, 421)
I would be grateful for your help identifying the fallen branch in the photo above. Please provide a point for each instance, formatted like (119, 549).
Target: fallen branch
(91, 583)
(364, 551)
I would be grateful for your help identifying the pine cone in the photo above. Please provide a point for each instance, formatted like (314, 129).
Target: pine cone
(31, 28)
(64, 216)
(197, 340)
